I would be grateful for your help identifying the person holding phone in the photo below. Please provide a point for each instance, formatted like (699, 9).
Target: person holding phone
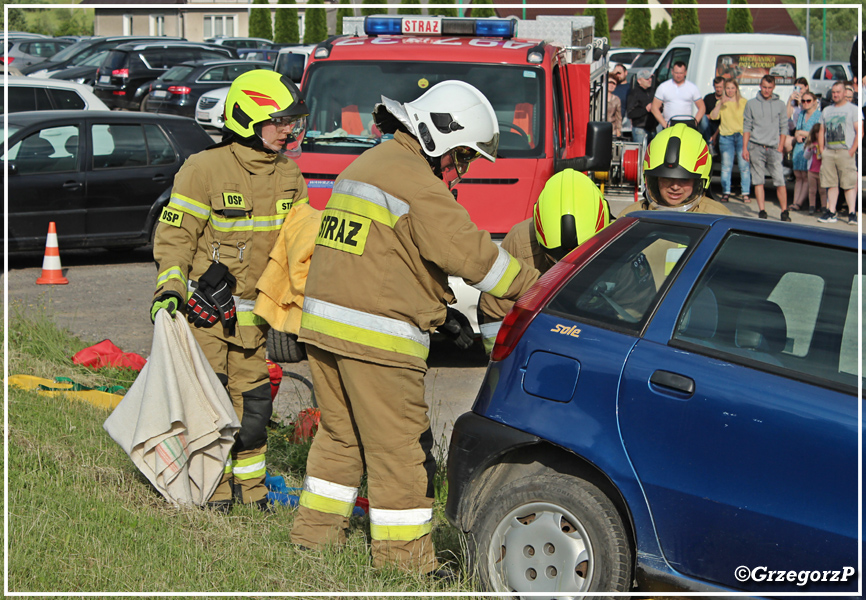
(795, 101)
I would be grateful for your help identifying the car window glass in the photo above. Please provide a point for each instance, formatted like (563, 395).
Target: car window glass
(116, 146)
(50, 150)
(848, 352)
(235, 70)
(153, 58)
(773, 302)
(67, 100)
(28, 98)
(817, 73)
(674, 56)
(178, 73)
(620, 286)
(837, 72)
(215, 74)
(159, 150)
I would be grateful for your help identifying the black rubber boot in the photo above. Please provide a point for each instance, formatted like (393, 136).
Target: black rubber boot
(223, 507)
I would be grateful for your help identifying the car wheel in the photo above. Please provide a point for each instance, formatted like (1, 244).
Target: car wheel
(551, 533)
(143, 106)
(284, 347)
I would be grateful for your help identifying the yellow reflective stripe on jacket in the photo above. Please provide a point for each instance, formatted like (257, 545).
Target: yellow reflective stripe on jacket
(328, 497)
(489, 331)
(269, 223)
(500, 276)
(171, 273)
(364, 328)
(228, 467)
(400, 525)
(367, 201)
(189, 206)
(249, 468)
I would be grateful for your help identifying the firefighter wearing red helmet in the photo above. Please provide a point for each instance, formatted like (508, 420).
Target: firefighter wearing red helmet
(227, 206)
(569, 211)
(391, 234)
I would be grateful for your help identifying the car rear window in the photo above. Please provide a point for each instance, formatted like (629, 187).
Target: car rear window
(620, 287)
(115, 60)
(778, 303)
(179, 73)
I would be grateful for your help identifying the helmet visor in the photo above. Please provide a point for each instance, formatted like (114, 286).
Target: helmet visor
(294, 129)
(462, 157)
(490, 147)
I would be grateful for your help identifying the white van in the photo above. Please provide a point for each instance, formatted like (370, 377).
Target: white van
(746, 56)
(292, 60)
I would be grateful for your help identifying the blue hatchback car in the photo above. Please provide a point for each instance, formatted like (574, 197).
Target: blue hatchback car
(673, 406)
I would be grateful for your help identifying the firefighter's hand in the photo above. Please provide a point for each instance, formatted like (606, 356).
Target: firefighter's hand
(200, 310)
(168, 301)
(457, 328)
(216, 285)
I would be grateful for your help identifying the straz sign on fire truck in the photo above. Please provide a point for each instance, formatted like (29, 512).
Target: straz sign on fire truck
(422, 26)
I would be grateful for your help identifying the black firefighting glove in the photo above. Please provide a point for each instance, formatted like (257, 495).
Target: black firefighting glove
(200, 310)
(169, 301)
(457, 328)
(215, 287)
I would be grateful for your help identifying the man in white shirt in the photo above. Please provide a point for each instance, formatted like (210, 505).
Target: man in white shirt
(676, 97)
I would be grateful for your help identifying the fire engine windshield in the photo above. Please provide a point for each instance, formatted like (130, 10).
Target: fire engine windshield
(341, 96)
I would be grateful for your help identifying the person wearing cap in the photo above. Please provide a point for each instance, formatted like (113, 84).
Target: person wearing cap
(639, 107)
(569, 211)
(212, 241)
(392, 232)
(677, 167)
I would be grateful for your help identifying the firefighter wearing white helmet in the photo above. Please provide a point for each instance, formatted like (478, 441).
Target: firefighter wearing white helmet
(569, 211)
(391, 235)
(227, 206)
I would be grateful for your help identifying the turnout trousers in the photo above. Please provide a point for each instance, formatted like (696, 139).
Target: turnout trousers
(374, 416)
(244, 372)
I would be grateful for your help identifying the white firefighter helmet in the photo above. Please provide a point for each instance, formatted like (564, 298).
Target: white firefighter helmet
(449, 115)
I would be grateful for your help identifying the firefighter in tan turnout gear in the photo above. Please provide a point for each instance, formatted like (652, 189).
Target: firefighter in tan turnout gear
(569, 211)
(391, 234)
(212, 243)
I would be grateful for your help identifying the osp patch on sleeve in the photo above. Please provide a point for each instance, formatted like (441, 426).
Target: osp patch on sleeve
(234, 200)
(343, 231)
(172, 217)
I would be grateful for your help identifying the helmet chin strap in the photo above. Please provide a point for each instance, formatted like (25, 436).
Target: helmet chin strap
(678, 208)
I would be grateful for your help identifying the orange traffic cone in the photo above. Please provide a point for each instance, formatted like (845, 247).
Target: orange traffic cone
(51, 270)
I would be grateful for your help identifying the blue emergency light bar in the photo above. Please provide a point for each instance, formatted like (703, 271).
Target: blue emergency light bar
(382, 25)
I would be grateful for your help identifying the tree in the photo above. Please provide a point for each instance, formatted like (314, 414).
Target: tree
(316, 28)
(685, 20)
(602, 28)
(343, 11)
(409, 7)
(286, 30)
(636, 30)
(374, 10)
(661, 34)
(482, 8)
(739, 20)
(435, 9)
(260, 21)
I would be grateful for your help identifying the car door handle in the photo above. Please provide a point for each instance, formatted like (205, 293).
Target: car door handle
(72, 185)
(160, 178)
(669, 380)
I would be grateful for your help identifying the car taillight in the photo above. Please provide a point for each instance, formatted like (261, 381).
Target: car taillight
(179, 89)
(530, 304)
(120, 73)
(7, 59)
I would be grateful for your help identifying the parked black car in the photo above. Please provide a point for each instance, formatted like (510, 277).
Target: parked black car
(84, 73)
(124, 77)
(77, 53)
(102, 176)
(177, 91)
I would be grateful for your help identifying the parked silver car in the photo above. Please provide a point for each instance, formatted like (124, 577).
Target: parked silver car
(25, 51)
(823, 74)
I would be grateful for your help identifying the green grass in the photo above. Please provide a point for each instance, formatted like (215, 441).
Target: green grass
(83, 519)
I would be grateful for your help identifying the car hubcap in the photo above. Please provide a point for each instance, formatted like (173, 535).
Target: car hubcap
(540, 547)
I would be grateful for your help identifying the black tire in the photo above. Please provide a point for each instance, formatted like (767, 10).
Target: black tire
(284, 347)
(142, 107)
(551, 533)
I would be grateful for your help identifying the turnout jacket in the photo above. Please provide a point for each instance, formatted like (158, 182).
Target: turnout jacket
(227, 204)
(522, 244)
(390, 236)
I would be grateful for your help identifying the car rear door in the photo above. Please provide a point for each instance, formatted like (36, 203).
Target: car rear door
(46, 183)
(132, 164)
(738, 411)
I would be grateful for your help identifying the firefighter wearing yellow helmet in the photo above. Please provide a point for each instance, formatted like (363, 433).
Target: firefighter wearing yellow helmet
(677, 167)
(569, 211)
(212, 241)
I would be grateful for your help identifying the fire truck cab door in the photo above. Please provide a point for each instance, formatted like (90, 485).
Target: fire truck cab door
(576, 89)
